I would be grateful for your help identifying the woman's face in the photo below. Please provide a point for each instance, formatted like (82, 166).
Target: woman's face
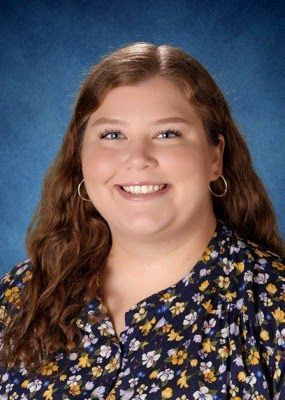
(143, 149)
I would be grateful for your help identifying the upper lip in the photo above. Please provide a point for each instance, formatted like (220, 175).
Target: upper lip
(141, 183)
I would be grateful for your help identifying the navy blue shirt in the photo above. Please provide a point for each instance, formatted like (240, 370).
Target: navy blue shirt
(216, 334)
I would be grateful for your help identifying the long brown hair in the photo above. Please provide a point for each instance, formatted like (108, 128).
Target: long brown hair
(68, 241)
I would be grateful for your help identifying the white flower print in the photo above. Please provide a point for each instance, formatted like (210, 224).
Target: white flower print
(35, 385)
(166, 375)
(248, 276)
(261, 278)
(134, 344)
(105, 351)
(89, 385)
(206, 366)
(239, 361)
(197, 339)
(190, 318)
(225, 332)
(251, 379)
(198, 297)
(98, 392)
(149, 358)
(89, 339)
(73, 379)
(280, 336)
(202, 394)
(133, 382)
(234, 329)
(208, 325)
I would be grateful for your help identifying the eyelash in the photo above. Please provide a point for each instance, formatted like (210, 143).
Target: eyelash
(108, 131)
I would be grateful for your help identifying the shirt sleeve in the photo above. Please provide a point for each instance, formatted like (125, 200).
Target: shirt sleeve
(11, 285)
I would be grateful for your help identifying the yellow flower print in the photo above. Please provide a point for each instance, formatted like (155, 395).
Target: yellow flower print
(166, 393)
(97, 371)
(25, 384)
(112, 365)
(260, 253)
(278, 265)
(174, 336)
(74, 389)
(111, 395)
(28, 276)
(166, 328)
(84, 361)
(141, 390)
(62, 377)
(48, 394)
(178, 308)
(253, 357)
(264, 334)
(224, 351)
(231, 295)
(209, 376)
(182, 381)
(223, 282)
(279, 315)
(241, 376)
(193, 362)
(147, 326)
(277, 374)
(153, 374)
(239, 266)
(6, 279)
(166, 296)
(207, 255)
(272, 289)
(208, 346)
(194, 328)
(140, 315)
(5, 318)
(13, 296)
(204, 286)
(209, 307)
(49, 368)
(179, 357)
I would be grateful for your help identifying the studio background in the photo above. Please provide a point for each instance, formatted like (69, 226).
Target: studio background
(47, 48)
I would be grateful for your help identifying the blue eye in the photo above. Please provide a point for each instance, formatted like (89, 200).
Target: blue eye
(107, 132)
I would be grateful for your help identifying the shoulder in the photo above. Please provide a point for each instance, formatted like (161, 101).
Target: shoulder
(256, 298)
(11, 285)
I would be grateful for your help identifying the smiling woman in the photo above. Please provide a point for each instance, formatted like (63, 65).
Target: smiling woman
(156, 269)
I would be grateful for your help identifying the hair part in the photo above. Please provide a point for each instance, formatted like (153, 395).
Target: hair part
(68, 241)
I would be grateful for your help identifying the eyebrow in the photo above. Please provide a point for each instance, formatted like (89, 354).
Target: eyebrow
(104, 120)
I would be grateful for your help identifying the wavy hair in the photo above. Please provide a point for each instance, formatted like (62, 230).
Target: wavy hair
(68, 241)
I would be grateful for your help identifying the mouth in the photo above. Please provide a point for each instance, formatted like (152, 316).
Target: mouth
(143, 196)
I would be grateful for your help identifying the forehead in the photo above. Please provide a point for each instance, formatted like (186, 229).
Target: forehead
(154, 98)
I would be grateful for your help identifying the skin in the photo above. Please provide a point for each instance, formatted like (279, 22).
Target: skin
(155, 243)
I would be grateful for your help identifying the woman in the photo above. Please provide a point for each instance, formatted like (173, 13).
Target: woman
(155, 270)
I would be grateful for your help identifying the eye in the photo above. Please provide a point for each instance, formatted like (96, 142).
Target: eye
(107, 132)
(172, 131)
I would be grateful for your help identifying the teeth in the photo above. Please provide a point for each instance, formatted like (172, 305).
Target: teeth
(143, 189)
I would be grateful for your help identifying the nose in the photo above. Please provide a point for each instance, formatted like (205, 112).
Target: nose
(139, 155)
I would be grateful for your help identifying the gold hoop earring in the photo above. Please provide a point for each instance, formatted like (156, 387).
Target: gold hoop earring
(225, 191)
(78, 191)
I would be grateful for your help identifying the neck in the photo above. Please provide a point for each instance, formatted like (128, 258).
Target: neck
(181, 250)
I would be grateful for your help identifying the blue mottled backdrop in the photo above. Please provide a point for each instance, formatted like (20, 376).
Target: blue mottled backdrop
(47, 47)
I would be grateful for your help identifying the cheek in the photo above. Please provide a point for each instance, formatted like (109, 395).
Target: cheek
(186, 162)
(97, 165)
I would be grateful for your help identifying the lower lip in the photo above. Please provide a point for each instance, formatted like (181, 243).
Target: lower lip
(142, 197)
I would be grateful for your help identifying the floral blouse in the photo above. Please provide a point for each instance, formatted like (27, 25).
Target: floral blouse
(216, 334)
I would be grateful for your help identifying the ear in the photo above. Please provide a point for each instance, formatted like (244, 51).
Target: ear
(217, 158)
